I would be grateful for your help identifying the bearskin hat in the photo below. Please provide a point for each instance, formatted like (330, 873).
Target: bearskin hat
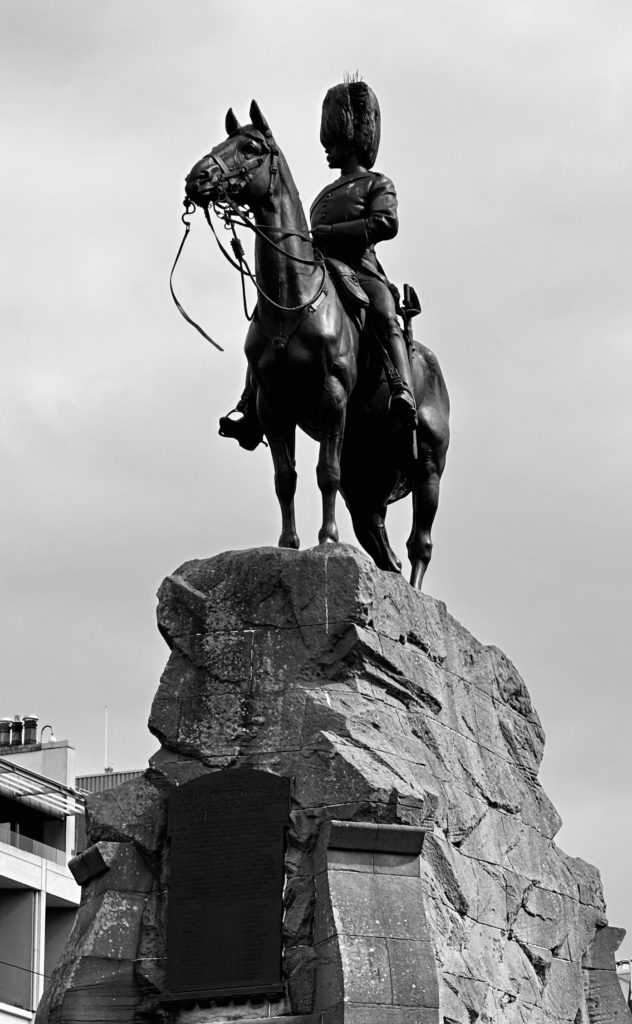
(351, 116)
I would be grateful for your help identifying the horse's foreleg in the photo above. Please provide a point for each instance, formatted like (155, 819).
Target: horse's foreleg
(282, 449)
(281, 438)
(332, 425)
(425, 501)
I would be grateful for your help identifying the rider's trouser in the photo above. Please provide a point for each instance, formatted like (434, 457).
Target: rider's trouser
(384, 317)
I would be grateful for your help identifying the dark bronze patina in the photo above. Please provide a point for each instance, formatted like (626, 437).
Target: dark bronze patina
(374, 399)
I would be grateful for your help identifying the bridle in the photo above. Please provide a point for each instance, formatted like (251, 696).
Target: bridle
(242, 171)
(234, 180)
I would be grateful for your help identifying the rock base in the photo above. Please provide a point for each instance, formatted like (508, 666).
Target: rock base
(423, 883)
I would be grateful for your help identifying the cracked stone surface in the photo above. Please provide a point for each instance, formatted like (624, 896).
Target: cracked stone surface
(382, 708)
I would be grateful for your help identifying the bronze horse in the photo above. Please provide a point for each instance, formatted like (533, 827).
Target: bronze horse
(314, 367)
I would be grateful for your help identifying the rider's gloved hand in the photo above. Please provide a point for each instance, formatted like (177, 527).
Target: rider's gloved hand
(322, 234)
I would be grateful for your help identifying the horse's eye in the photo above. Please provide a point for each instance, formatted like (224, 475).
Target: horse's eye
(250, 149)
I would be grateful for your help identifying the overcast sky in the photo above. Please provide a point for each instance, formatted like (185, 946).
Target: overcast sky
(507, 130)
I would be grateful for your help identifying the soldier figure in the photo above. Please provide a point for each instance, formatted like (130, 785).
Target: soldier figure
(348, 218)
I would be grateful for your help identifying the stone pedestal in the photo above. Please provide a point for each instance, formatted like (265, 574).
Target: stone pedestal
(422, 881)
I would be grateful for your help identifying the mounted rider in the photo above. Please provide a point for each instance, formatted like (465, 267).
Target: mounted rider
(348, 219)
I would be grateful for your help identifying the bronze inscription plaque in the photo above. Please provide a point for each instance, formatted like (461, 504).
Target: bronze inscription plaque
(227, 837)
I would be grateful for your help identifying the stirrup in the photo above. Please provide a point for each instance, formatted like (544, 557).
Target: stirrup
(402, 404)
(228, 427)
(248, 434)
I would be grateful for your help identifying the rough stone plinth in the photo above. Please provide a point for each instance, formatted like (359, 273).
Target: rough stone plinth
(386, 712)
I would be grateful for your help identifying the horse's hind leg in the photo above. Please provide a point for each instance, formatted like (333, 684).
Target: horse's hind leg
(370, 529)
(368, 478)
(430, 464)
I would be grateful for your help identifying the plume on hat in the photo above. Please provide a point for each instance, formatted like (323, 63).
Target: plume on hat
(351, 116)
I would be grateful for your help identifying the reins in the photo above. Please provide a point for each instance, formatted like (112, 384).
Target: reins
(189, 208)
(242, 265)
(227, 210)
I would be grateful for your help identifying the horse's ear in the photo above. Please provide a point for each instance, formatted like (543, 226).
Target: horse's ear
(257, 118)
(231, 123)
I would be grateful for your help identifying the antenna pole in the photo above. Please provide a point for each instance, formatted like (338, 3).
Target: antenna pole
(105, 753)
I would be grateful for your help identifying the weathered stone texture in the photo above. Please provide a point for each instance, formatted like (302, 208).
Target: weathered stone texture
(383, 709)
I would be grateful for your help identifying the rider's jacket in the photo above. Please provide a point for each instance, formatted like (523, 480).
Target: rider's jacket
(362, 210)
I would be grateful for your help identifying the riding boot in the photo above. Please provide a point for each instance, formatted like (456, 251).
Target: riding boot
(246, 430)
(402, 400)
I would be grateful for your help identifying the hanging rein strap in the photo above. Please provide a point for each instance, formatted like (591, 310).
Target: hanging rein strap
(189, 208)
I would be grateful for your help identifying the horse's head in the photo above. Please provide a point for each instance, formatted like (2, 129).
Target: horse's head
(241, 168)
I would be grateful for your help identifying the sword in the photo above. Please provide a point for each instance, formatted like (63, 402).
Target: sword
(410, 307)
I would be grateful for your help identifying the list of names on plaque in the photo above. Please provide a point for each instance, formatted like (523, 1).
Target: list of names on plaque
(227, 832)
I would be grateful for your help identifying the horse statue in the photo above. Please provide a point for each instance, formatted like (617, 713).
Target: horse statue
(315, 366)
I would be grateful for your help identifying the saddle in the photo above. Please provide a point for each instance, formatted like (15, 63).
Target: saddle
(352, 294)
(357, 304)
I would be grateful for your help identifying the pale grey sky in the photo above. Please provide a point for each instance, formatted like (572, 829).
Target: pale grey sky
(506, 126)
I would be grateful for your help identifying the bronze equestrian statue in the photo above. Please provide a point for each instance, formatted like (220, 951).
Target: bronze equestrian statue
(374, 399)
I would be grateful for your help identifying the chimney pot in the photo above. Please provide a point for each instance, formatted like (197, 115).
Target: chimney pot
(17, 727)
(30, 729)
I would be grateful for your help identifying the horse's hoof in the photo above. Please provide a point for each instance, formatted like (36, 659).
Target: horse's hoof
(417, 574)
(392, 569)
(328, 535)
(291, 541)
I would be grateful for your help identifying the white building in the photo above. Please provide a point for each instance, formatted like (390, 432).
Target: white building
(624, 976)
(38, 895)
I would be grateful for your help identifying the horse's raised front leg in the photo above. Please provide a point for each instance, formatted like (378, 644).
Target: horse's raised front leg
(333, 406)
(281, 438)
(429, 468)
